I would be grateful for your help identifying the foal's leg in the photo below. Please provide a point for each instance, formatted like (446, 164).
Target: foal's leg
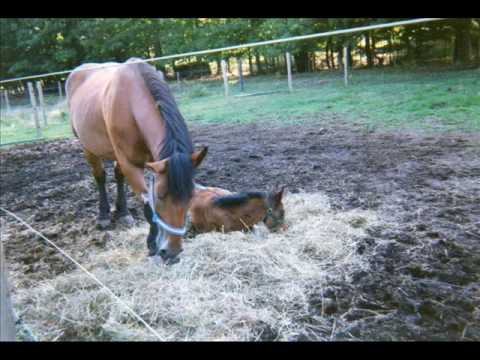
(103, 219)
(121, 204)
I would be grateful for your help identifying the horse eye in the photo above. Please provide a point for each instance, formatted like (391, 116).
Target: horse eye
(269, 211)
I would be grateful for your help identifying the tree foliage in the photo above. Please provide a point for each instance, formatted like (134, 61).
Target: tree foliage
(32, 46)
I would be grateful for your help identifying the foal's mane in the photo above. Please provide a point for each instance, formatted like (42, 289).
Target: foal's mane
(177, 145)
(237, 199)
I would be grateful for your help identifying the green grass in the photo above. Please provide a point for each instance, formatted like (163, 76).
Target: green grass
(437, 101)
(390, 99)
(18, 125)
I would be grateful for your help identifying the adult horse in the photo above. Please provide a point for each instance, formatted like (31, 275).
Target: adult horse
(126, 112)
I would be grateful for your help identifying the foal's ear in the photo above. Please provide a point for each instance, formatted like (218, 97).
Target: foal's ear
(198, 156)
(158, 167)
(278, 196)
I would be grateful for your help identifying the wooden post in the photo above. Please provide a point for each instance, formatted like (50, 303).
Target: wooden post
(33, 101)
(60, 90)
(41, 102)
(7, 318)
(178, 78)
(240, 73)
(7, 102)
(345, 61)
(289, 71)
(225, 76)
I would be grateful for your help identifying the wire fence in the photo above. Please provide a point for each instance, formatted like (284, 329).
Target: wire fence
(19, 321)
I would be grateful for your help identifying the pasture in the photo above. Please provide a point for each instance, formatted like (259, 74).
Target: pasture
(383, 244)
(420, 99)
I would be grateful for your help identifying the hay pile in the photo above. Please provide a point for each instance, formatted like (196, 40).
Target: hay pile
(226, 287)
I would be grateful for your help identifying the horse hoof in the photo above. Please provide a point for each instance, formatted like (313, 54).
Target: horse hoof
(127, 220)
(103, 224)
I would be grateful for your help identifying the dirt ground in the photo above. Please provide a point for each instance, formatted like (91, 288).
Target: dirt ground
(425, 258)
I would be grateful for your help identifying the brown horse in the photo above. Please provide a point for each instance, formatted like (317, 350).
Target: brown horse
(126, 112)
(215, 209)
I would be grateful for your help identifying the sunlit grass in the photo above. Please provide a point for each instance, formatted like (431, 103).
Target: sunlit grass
(390, 99)
(19, 125)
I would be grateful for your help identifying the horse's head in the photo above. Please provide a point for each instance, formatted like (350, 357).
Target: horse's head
(275, 217)
(170, 193)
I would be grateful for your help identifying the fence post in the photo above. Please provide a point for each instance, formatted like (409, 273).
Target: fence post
(240, 73)
(60, 90)
(289, 71)
(178, 78)
(33, 101)
(345, 61)
(225, 76)
(7, 102)
(41, 102)
(7, 317)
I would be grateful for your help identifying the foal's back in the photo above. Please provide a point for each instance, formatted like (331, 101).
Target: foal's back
(208, 215)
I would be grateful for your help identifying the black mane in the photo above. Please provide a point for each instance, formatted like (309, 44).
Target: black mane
(177, 145)
(237, 199)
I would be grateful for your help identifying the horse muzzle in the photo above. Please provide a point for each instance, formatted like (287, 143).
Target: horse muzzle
(169, 256)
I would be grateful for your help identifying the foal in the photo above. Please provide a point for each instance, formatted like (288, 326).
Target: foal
(215, 209)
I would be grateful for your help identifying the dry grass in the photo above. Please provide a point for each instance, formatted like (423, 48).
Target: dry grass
(226, 287)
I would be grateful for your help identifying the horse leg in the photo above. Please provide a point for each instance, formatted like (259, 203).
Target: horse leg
(103, 219)
(121, 208)
(136, 180)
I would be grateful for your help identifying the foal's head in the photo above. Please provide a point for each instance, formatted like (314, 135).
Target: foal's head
(275, 213)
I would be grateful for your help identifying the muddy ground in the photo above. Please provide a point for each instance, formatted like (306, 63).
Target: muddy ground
(425, 259)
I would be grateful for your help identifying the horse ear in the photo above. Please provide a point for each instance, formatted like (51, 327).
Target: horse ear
(198, 156)
(157, 167)
(278, 196)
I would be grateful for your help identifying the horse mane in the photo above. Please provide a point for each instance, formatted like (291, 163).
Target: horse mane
(237, 199)
(177, 145)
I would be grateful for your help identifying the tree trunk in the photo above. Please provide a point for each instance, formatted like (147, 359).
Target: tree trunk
(462, 49)
(368, 50)
(250, 65)
(266, 65)
(476, 49)
(281, 63)
(301, 59)
(259, 63)
(332, 58)
(327, 56)
(340, 57)
(390, 47)
(312, 61)
(350, 57)
(372, 46)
